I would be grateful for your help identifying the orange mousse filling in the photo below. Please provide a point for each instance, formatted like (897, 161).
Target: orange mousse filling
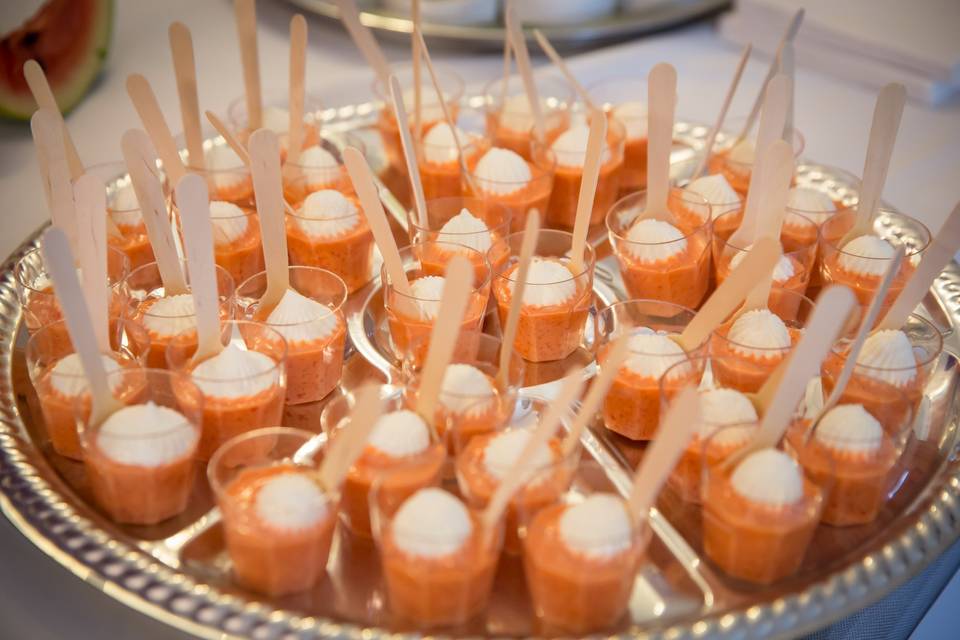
(742, 367)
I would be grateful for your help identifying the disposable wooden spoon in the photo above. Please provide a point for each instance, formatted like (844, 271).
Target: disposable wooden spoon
(771, 129)
(245, 12)
(788, 36)
(45, 124)
(519, 44)
(873, 312)
(596, 143)
(60, 263)
(409, 151)
(90, 199)
(184, 66)
(141, 160)
(762, 258)
(718, 125)
(417, 55)
(447, 116)
(676, 428)
(443, 340)
(268, 189)
(194, 203)
(528, 245)
(883, 135)
(350, 441)
(506, 69)
(616, 356)
(363, 39)
(827, 321)
(787, 68)
(298, 72)
(520, 472)
(145, 102)
(937, 256)
(662, 96)
(40, 88)
(363, 183)
(564, 70)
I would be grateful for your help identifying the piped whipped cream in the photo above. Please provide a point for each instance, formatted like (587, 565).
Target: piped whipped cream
(171, 315)
(146, 435)
(229, 222)
(319, 166)
(300, 319)
(849, 428)
(503, 451)
(814, 204)
(226, 166)
(867, 255)
(782, 272)
(549, 283)
(571, 147)
(399, 434)
(68, 378)
(291, 501)
(743, 152)
(516, 114)
(769, 477)
(718, 193)
(235, 373)
(887, 355)
(468, 230)
(633, 115)
(431, 523)
(465, 390)
(653, 240)
(598, 527)
(439, 145)
(327, 214)
(726, 408)
(428, 292)
(652, 353)
(124, 206)
(277, 119)
(502, 172)
(758, 333)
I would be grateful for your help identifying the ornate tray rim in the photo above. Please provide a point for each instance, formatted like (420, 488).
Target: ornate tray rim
(126, 573)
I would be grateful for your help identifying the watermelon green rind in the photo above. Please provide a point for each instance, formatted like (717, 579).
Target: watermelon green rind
(21, 105)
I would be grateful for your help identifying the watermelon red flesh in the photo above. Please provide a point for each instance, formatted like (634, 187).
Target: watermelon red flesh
(69, 38)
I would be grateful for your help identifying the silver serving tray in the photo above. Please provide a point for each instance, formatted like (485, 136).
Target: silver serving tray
(617, 26)
(676, 596)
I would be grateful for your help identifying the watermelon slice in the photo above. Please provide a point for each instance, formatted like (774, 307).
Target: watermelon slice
(69, 38)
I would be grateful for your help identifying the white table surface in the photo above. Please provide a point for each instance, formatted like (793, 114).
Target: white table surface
(834, 117)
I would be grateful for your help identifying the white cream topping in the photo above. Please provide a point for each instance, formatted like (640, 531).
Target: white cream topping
(758, 333)
(653, 240)
(431, 523)
(651, 354)
(548, 283)
(571, 147)
(502, 171)
(887, 355)
(850, 428)
(743, 152)
(724, 408)
(516, 114)
(465, 390)
(439, 145)
(503, 451)
(466, 229)
(428, 292)
(69, 379)
(319, 166)
(124, 206)
(276, 119)
(867, 255)
(235, 373)
(633, 115)
(781, 273)
(227, 167)
(229, 222)
(770, 477)
(399, 434)
(147, 435)
(807, 200)
(171, 315)
(291, 501)
(598, 527)
(327, 214)
(718, 193)
(300, 319)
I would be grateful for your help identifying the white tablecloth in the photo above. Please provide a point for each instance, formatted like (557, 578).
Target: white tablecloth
(834, 117)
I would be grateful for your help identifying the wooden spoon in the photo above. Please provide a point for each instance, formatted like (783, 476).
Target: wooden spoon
(718, 125)
(417, 55)
(141, 160)
(298, 71)
(349, 443)
(364, 40)
(519, 44)
(145, 102)
(596, 143)
(662, 96)
(787, 68)
(268, 189)
(181, 46)
(40, 88)
(245, 12)
(45, 124)
(409, 151)
(565, 71)
(528, 246)
(618, 354)
(90, 198)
